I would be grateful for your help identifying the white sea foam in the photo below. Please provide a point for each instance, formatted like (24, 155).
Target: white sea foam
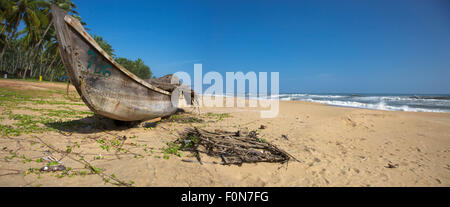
(379, 106)
(390, 103)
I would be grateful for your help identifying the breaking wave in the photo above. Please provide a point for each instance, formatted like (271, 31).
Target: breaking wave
(413, 103)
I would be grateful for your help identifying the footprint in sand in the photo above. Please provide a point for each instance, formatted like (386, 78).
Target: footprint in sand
(350, 121)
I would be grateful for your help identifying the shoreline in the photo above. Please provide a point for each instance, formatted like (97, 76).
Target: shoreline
(354, 107)
(325, 104)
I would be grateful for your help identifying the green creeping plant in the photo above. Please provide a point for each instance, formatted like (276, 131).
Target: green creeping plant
(98, 68)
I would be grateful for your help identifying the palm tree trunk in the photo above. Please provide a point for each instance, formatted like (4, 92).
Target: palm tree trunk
(4, 47)
(12, 35)
(42, 38)
(25, 72)
(52, 76)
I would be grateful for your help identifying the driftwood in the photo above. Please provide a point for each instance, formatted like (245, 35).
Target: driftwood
(232, 147)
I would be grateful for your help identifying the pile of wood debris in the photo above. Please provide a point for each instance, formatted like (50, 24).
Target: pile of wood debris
(232, 147)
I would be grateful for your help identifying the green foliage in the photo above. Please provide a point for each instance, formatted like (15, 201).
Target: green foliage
(104, 45)
(32, 50)
(184, 119)
(189, 142)
(137, 67)
(48, 120)
(219, 116)
(172, 148)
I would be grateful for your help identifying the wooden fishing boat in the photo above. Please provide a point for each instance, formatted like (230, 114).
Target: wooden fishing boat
(106, 87)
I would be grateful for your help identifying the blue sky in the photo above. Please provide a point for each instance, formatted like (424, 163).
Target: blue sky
(317, 46)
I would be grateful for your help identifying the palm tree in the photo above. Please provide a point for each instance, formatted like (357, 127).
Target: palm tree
(28, 41)
(22, 10)
(6, 10)
(34, 37)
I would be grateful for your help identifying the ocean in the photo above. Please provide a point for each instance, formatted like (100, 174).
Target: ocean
(391, 102)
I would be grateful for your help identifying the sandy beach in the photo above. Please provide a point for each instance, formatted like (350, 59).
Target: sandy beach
(335, 146)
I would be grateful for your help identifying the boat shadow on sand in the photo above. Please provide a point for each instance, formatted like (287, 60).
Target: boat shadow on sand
(97, 123)
(91, 124)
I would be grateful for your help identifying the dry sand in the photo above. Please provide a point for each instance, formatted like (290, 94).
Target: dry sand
(336, 146)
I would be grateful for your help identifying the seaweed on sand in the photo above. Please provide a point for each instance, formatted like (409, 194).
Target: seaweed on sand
(180, 118)
(232, 147)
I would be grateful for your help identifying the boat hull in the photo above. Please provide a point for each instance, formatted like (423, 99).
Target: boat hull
(105, 87)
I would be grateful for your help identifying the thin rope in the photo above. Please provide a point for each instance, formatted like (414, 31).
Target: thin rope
(67, 93)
